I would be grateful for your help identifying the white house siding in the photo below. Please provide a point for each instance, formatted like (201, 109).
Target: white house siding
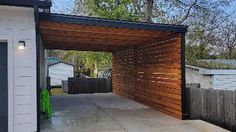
(193, 76)
(59, 72)
(211, 78)
(17, 23)
(225, 82)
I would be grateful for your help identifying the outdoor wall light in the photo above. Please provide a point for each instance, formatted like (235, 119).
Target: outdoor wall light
(21, 45)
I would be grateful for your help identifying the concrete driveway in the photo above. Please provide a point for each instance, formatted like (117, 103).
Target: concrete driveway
(113, 113)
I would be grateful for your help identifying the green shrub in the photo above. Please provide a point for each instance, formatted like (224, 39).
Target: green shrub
(210, 65)
(46, 107)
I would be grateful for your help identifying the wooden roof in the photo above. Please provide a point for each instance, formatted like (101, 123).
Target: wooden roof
(86, 33)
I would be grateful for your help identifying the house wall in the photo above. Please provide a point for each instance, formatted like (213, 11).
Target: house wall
(17, 23)
(193, 76)
(224, 81)
(59, 72)
(211, 78)
(150, 74)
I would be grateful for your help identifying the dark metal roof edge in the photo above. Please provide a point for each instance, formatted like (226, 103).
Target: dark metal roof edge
(44, 4)
(27, 3)
(73, 19)
(61, 62)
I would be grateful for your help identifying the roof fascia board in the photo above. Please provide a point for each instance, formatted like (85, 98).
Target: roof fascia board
(27, 3)
(44, 4)
(212, 71)
(219, 72)
(72, 19)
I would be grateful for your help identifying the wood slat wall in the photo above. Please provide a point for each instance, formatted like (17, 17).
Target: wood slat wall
(67, 36)
(151, 74)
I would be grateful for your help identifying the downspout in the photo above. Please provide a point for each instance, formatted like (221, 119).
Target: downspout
(185, 114)
(36, 15)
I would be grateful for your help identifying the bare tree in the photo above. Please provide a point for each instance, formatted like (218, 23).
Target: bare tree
(204, 17)
(149, 10)
(226, 40)
(188, 12)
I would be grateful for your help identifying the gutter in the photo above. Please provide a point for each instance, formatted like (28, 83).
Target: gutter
(213, 71)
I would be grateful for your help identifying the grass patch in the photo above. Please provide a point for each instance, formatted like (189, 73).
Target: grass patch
(46, 107)
(57, 91)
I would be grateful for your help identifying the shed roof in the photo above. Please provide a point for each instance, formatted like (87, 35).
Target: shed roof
(65, 32)
(54, 61)
(231, 62)
(212, 71)
(52, 64)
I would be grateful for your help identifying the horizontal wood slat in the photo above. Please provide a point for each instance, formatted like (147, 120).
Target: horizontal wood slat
(95, 35)
(151, 74)
(69, 36)
(100, 29)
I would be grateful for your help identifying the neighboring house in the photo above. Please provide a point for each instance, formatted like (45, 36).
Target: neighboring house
(27, 28)
(59, 71)
(51, 60)
(211, 78)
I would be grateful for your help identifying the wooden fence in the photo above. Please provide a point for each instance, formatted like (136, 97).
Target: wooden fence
(214, 106)
(89, 85)
(65, 86)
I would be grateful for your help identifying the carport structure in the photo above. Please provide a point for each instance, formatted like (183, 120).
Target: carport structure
(148, 59)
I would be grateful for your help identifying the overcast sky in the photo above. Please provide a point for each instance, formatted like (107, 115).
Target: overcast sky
(62, 6)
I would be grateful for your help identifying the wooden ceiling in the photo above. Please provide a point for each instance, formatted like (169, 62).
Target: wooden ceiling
(69, 36)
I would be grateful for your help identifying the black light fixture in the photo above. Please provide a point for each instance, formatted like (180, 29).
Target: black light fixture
(21, 45)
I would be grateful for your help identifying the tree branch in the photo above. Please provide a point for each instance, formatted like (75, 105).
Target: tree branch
(188, 12)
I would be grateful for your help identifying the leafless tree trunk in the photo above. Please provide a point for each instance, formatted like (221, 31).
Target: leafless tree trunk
(149, 10)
